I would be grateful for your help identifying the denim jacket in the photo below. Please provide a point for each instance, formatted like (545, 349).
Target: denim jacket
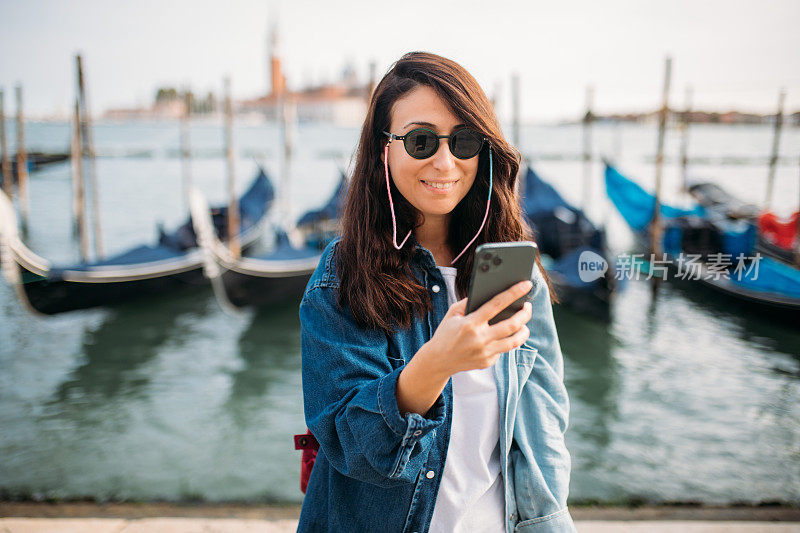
(379, 471)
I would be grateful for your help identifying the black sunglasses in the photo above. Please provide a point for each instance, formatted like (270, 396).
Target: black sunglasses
(422, 143)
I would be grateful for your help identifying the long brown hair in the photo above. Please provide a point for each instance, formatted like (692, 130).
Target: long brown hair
(376, 280)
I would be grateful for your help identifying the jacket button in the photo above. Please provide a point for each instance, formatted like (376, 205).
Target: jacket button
(417, 433)
(430, 474)
(435, 288)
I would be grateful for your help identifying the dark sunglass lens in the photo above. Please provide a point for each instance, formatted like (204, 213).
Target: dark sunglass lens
(421, 144)
(466, 143)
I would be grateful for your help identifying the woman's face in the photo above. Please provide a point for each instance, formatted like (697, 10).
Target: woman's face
(422, 107)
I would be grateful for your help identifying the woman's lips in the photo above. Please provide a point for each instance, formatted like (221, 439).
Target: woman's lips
(442, 188)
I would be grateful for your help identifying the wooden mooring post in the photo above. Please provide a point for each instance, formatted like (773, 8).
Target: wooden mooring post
(288, 134)
(655, 224)
(78, 196)
(517, 133)
(88, 151)
(797, 239)
(685, 121)
(515, 105)
(22, 163)
(5, 161)
(588, 118)
(773, 159)
(186, 152)
(233, 203)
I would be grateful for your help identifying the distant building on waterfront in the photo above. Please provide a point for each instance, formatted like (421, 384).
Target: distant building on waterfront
(159, 111)
(169, 104)
(343, 102)
(701, 117)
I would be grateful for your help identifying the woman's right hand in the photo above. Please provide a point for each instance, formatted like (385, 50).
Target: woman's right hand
(468, 342)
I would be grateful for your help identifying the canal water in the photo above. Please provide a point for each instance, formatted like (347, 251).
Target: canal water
(681, 398)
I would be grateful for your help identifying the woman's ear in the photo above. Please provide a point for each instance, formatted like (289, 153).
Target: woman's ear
(383, 150)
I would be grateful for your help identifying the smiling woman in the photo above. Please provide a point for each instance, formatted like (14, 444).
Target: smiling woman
(428, 418)
(433, 179)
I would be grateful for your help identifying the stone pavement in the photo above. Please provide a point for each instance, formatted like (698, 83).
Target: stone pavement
(164, 517)
(248, 525)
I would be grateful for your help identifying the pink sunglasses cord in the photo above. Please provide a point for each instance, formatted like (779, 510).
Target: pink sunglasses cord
(391, 205)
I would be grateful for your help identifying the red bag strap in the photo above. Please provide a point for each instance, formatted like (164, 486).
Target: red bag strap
(306, 441)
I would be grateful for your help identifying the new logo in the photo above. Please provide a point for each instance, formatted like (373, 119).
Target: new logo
(591, 266)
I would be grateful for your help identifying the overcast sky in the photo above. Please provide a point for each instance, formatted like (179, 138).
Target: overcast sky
(735, 54)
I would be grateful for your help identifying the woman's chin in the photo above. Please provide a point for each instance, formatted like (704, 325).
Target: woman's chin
(437, 208)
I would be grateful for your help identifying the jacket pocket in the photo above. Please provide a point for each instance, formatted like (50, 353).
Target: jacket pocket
(526, 356)
(396, 362)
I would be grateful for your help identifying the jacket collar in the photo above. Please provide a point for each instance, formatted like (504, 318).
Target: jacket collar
(422, 255)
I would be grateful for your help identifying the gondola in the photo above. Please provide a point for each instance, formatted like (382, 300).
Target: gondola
(761, 282)
(776, 238)
(564, 234)
(35, 161)
(278, 275)
(174, 261)
(779, 238)
(715, 199)
(319, 226)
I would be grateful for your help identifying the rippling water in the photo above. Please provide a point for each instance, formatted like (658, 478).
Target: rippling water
(681, 398)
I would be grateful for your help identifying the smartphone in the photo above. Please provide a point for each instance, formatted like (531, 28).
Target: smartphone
(496, 267)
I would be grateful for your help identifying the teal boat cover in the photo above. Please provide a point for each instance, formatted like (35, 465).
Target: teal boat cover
(769, 276)
(636, 205)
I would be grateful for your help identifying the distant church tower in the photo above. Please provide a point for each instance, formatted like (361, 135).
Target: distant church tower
(277, 78)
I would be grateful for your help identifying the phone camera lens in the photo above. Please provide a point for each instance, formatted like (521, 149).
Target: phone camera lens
(487, 256)
(497, 261)
(484, 267)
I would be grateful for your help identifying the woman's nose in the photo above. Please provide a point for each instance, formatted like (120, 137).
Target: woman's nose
(443, 159)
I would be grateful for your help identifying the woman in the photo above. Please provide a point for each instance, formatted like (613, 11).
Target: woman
(429, 419)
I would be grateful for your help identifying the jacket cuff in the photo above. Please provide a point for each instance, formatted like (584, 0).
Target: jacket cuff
(558, 522)
(413, 426)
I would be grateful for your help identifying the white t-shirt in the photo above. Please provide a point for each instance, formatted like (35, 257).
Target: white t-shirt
(471, 496)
